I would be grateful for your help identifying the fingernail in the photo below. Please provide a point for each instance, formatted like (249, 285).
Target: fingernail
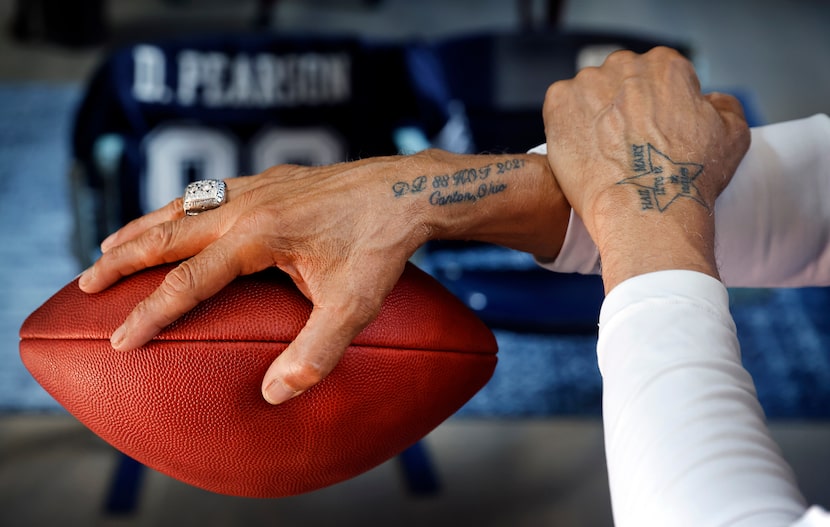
(86, 277)
(277, 392)
(105, 245)
(118, 337)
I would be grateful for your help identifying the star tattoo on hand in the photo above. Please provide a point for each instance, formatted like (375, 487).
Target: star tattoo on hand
(661, 180)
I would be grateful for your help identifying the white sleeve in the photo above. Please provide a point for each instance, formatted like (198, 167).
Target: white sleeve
(772, 221)
(685, 437)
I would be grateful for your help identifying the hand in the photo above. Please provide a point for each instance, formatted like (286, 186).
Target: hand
(641, 156)
(313, 228)
(343, 233)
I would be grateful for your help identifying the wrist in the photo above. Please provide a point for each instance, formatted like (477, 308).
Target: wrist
(511, 200)
(634, 241)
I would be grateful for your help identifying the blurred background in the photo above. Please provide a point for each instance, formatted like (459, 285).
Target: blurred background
(528, 449)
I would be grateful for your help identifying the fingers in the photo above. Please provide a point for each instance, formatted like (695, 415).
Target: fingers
(313, 354)
(171, 211)
(344, 305)
(738, 136)
(163, 236)
(183, 288)
(732, 113)
(163, 243)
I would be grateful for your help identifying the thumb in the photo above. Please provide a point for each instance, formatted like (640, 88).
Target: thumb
(315, 352)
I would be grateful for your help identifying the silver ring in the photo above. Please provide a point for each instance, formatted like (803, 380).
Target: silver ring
(203, 195)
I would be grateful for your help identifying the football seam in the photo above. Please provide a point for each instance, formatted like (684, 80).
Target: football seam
(233, 341)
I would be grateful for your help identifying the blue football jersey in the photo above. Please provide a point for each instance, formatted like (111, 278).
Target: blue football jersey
(159, 115)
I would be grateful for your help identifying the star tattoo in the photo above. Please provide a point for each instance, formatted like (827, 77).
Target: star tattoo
(662, 181)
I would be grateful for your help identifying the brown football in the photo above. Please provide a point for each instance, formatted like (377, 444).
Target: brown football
(188, 403)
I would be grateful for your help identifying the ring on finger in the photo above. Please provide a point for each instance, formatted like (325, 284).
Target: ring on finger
(204, 195)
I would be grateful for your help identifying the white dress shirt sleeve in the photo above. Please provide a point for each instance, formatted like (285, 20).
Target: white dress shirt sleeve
(685, 437)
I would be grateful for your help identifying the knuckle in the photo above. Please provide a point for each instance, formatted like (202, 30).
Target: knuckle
(553, 89)
(672, 57)
(160, 237)
(176, 207)
(147, 314)
(254, 222)
(681, 64)
(589, 74)
(180, 281)
(621, 56)
(664, 52)
(124, 259)
(555, 93)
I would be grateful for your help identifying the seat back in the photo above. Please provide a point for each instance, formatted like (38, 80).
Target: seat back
(501, 78)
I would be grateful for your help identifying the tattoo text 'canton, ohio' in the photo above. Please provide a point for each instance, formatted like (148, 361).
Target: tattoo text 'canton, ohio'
(661, 181)
(467, 185)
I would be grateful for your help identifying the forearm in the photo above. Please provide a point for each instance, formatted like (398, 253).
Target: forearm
(510, 200)
(685, 437)
(634, 241)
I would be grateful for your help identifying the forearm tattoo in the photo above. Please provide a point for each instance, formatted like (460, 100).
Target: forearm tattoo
(468, 185)
(660, 181)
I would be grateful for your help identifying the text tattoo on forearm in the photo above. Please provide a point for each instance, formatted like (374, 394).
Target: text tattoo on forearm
(660, 181)
(467, 185)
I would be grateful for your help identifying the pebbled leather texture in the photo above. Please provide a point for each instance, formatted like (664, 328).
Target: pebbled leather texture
(188, 403)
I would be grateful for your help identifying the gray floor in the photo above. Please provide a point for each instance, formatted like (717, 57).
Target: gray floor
(494, 473)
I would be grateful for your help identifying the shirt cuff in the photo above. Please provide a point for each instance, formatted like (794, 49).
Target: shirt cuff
(579, 253)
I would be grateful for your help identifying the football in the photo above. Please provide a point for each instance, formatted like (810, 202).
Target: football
(188, 403)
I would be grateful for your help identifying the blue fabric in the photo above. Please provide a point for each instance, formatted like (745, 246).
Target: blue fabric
(35, 255)
(785, 344)
(509, 290)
